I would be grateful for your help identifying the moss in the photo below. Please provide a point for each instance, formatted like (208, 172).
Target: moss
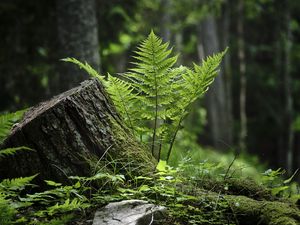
(252, 203)
(250, 211)
(132, 154)
(237, 186)
(212, 208)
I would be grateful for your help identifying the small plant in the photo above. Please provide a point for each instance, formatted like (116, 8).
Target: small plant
(154, 96)
(7, 211)
(6, 122)
(273, 180)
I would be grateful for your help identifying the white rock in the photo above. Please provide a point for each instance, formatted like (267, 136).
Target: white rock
(129, 212)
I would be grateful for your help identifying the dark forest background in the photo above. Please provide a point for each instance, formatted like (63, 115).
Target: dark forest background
(253, 105)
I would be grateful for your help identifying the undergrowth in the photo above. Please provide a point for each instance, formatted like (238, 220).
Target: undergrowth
(188, 196)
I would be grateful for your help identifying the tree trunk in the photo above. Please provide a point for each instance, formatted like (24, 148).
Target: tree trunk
(242, 73)
(77, 37)
(68, 133)
(166, 20)
(286, 153)
(225, 39)
(288, 91)
(178, 36)
(216, 97)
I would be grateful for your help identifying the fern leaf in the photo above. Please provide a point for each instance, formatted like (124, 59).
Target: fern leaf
(193, 85)
(67, 206)
(16, 184)
(123, 97)
(11, 151)
(85, 66)
(6, 122)
(151, 78)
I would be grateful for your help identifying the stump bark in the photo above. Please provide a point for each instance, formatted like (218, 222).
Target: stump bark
(68, 132)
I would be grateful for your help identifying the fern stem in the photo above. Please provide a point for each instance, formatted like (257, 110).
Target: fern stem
(159, 150)
(173, 139)
(127, 114)
(156, 101)
(155, 125)
(160, 143)
(177, 129)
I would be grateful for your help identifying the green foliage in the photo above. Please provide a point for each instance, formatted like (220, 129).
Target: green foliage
(125, 99)
(6, 121)
(273, 179)
(154, 97)
(57, 221)
(7, 211)
(11, 151)
(188, 149)
(67, 206)
(9, 203)
(53, 206)
(11, 190)
(14, 186)
(174, 187)
(85, 66)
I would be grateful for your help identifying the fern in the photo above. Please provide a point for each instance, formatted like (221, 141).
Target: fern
(120, 91)
(6, 122)
(85, 66)
(65, 219)
(12, 151)
(192, 85)
(154, 97)
(67, 206)
(151, 77)
(7, 212)
(124, 99)
(16, 184)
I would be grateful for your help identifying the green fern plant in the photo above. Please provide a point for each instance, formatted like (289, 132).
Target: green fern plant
(152, 79)
(6, 122)
(7, 211)
(12, 187)
(12, 151)
(154, 96)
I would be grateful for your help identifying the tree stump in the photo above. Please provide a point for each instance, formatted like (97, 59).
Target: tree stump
(68, 132)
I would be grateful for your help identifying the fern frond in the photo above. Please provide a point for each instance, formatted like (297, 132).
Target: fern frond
(7, 211)
(193, 85)
(151, 77)
(6, 122)
(124, 98)
(207, 72)
(11, 151)
(16, 184)
(195, 82)
(67, 206)
(85, 66)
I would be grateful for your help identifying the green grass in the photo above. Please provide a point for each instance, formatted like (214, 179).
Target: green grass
(244, 165)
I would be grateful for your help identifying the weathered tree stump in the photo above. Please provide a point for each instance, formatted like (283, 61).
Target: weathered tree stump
(68, 131)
